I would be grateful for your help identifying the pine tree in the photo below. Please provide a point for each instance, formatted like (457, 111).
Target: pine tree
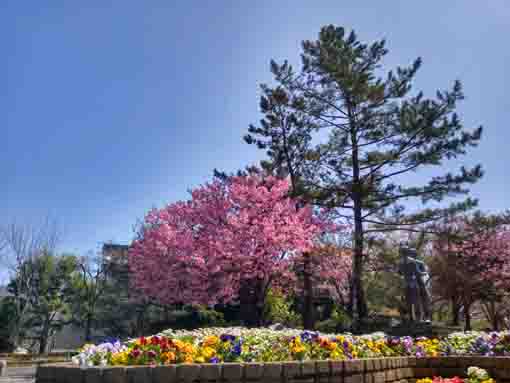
(347, 137)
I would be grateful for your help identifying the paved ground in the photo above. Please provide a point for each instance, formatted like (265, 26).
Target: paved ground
(19, 375)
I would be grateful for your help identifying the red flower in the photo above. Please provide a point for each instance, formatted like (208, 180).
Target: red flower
(455, 379)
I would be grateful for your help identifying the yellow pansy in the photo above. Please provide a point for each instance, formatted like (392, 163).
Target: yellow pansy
(208, 352)
(120, 358)
(211, 341)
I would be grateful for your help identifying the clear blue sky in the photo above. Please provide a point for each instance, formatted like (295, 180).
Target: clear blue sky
(111, 107)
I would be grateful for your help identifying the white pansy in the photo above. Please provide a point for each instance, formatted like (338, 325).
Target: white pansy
(478, 373)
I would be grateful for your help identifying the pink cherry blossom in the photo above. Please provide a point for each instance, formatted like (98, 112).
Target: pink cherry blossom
(200, 250)
(484, 250)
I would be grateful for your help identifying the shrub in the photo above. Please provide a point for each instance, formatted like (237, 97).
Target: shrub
(278, 309)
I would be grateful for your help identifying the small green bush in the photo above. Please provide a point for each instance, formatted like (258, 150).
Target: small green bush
(278, 309)
(209, 318)
(338, 322)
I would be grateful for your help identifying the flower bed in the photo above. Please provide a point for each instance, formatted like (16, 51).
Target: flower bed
(219, 345)
(474, 375)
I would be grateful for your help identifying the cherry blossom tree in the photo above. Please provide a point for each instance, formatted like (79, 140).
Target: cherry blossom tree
(472, 263)
(487, 253)
(334, 272)
(330, 269)
(242, 231)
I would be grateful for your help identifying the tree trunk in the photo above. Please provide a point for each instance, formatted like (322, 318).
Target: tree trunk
(308, 317)
(88, 325)
(43, 338)
(260, 296)
(495, 316)
(467, 318)
(14, 337)
(245, 305)
(250, 303)
(359, 306)
(455, 313)
(495, 323)
(43, 341)
(452, 272)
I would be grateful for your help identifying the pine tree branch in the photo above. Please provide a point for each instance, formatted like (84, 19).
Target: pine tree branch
(380, 223)
(405, 147)
(412, 230)
(394, 198)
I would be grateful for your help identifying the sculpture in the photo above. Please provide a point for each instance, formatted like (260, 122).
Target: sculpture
(416, 278)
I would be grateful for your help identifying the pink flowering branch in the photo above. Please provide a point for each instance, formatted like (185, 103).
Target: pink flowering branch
(201, 250)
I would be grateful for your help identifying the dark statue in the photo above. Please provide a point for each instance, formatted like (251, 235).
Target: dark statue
(416, 278)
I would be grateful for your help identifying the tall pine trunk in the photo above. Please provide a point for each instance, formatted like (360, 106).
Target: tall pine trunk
(359, 307)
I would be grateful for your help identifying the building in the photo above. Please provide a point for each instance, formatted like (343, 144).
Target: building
(115, 260)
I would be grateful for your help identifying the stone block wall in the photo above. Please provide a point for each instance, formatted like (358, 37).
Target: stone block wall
(382, 370)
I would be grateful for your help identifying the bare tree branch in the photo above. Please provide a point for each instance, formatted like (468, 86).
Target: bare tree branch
(21, 244)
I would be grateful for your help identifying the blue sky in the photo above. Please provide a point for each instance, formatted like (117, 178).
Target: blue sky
(111, 107)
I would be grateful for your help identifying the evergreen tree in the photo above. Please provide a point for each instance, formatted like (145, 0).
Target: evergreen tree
(48, 297)
(7, 316)
(347, 137)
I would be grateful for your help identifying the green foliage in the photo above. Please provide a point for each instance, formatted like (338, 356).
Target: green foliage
(47, 296)
(122, 316)
(347, 135)
(278, 309)
(206, 317)
(376, 130)
(342, 319)
(7, 315)
(339, 322)
(385, 286)
(327, 326)
(110, 304)
(189, 317)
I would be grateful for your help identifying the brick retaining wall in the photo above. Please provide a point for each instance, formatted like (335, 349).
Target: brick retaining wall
(382, 370)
